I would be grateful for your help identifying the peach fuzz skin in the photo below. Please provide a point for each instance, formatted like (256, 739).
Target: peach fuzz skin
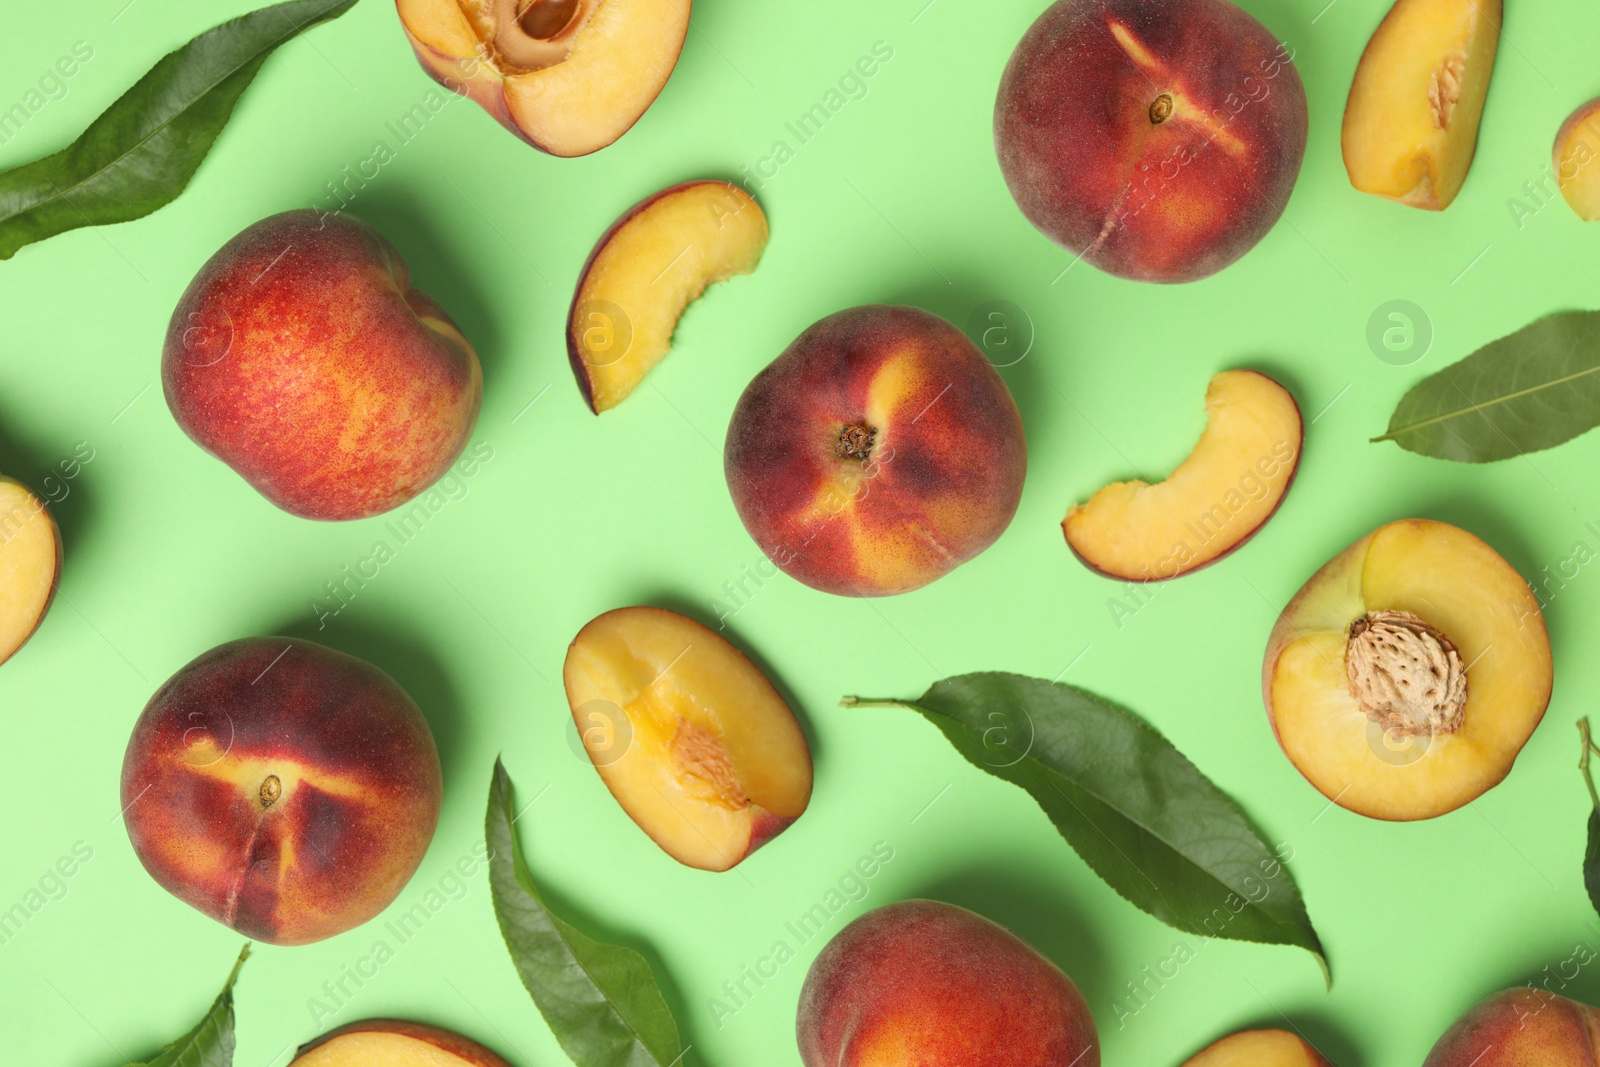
(1157, 139)
(393, 1043)
(301, 357)
(284, 789)
(931, 984)
(1521, 1027)
(877, 453)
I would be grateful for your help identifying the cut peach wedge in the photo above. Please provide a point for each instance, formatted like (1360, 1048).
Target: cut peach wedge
(1216, 500)
(1577, 160)
(567, 76)
(689, 736)
(1258, 1048)
(394, 1043)
(30, 564)
(1406, 675)
(649, 266)
(1411, 122)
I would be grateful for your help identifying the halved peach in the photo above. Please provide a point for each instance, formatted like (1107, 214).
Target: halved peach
(689, 736)
(393, 1043)
(1411, 122)
(1577, 150)
(1258, 1048)
(1407, 674)
(1214, 502)
(653, 261)
(30, 564)
(567, 76)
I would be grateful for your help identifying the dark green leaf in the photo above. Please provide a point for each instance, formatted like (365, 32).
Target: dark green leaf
(210, 1043)
(1591, 860)
(1137, 811)
(601, 1001)
(142, 151)
(1535, 389)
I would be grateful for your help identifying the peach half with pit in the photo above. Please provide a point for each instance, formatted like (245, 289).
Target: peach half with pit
(569, 77)
(1406, 675)
(1157, 139)
(660, 256)
(928, 983)
(1411, 121)
(695, 743)
(1216, 500)
(282, 788)
(30, 564)
(877, 453)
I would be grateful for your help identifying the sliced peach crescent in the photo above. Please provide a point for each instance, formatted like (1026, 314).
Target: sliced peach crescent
(30, 564)
(1407, 674)
(1259, 1048)
(690, 737)
(567, 76)
(393, 1043)
(652, 263)
(1214, 502)
(1577, 160)
(1411, 122)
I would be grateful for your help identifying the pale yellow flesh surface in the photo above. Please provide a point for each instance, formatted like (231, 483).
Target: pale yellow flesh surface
(1230, 484)
(1577, 161)
(30, 558)
(1257, 1048)
(1402, 138)
(376, 1049)
(713, 748)
(1461, 587)
(650, 268)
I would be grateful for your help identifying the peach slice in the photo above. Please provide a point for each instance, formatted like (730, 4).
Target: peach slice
(689, 736)
(30, 564)
(1258, 1048)
(393, 1043)
(1214, 502)
(567, 76)
(653, 261)
(1577, 147)
(1407, 674)
(1411, 122)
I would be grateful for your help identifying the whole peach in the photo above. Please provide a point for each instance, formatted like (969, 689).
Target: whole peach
(286, 790)
(931, 984)
(301, 357)
(1157, 139)
(878, 452)
(1521, 1027)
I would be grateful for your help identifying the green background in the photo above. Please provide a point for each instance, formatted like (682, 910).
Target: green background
(898, 199)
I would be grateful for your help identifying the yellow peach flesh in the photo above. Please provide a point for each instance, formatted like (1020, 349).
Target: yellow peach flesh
(1258, 1048)
(716, 758)
(1577, 160)
(650, 267)
(1462, 588)
(30, 556)
(1231, 483)
(1411, 122)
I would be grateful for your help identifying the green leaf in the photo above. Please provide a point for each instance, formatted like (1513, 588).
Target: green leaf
(601, 1001)
(1137, 811)
(210, 1043)
(142, 151)
(1591, 861)
(1533, 390)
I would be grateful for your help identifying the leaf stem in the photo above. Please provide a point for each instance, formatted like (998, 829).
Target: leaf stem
(871, 702)
(1583, 761)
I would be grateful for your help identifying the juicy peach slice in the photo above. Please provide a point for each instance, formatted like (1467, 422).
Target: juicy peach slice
(1411, 122)
(1258, 1048)
(1577, 160)
(30, 564)
(655, 260)
(1216, 500)
(394, 1043)
(692, 739)
(1407, 674)
(567, 76)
